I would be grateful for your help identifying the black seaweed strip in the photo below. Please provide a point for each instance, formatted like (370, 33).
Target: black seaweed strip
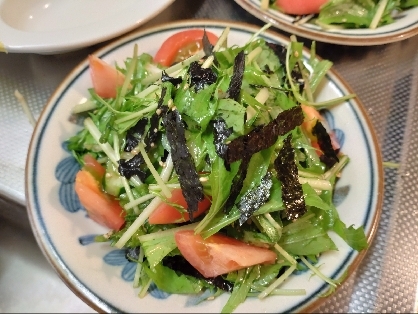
(134, 134)
(329, 157)
(207, 46)
(221, 133)
(173, 80)
(130, 167)
(237, 183)
(234, 88)
(183, 162)
(262, 138)
(153, 132)
(254, 199)
(200, 77)
(287, 172)
(179, 263)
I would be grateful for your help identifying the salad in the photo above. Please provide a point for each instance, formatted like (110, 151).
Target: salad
(212, 165)
(341, 14)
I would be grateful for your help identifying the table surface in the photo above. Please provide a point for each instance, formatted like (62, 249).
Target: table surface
(385, 78)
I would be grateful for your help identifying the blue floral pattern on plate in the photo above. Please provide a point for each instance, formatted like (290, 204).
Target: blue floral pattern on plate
(65, 173)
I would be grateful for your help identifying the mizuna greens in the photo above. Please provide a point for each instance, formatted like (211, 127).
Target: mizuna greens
(351, 14)
(227, 125)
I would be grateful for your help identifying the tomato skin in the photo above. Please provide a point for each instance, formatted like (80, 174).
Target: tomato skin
(167, 214)
(94, 167)
(102, 208)
(300, 7)
(170, 47)
(105, 78)
(219, 254)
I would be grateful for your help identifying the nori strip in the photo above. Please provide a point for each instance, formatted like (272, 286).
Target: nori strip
(329, 157)
(153, 132)
(221, 132)
(207, 46)
(173, 80)
(179, 263)
(134, 134)
(287, 173)
(183, 161)
(200, 77)
(253, 200)
(130, 167)
(234, 88)
(263, 137)
(237, 183)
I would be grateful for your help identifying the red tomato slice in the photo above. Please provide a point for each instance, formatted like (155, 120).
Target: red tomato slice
(173, 45)
(219, 254)
(300, 7)
(94, 167)
(106, 79)
(102, 208)
(167, 214)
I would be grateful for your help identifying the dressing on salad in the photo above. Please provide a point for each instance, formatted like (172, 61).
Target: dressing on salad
(217, 173)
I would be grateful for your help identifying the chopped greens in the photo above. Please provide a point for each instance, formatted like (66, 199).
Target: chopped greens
(225, 125)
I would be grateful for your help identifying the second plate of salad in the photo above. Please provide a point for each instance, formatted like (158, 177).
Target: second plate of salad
(246, 179)
(343, 22)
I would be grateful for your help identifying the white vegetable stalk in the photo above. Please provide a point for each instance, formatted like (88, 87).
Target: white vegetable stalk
(94, 131)
(278, 282)
(138, 201)
(166, 191)
(166, 233)
(139, 221)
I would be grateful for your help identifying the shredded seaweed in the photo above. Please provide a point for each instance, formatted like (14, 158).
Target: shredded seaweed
(253, 200)
(237, 183)
(207, 46)
(183, 161)
(200, 77)
(135, 134)
(263, 137)
(287, 172)
(173, 80)
(329, 156)
(234, 88)
(221, 133)
(180, 264)
(131, 167)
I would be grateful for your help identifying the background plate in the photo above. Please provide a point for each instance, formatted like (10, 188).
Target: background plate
(405, 27)
(46, 27)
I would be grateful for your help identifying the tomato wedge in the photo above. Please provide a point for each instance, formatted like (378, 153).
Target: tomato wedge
(219, 254)
(93, 166)
(167, 214)
(105, 78)
(102, 208)
(300, 7)
(183, 43)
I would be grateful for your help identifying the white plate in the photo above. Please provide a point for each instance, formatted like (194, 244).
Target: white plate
(47, 27)
(404, 27)
(101, 275)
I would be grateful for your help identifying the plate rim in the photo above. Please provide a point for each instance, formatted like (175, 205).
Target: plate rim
(51, 47)
(89, 297)
(325, 36)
